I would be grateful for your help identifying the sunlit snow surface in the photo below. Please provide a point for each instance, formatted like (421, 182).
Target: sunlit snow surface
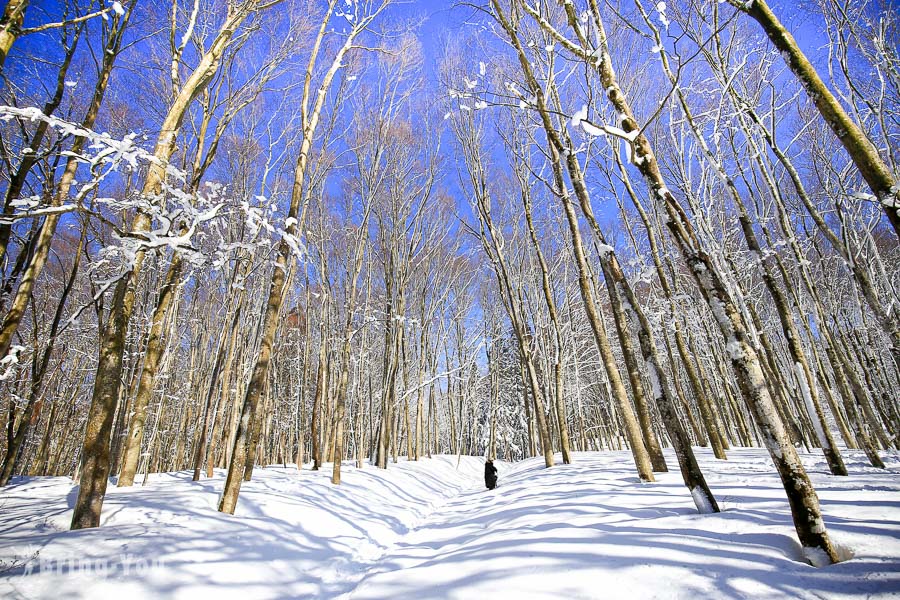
(431, 530)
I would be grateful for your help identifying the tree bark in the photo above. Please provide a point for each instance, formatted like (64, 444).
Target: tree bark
(744, 358)
(861, 150)
(632, 430)
(11, 26)
(95, 455)
(293, 225)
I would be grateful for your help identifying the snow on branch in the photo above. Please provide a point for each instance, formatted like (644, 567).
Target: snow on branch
(181, 216)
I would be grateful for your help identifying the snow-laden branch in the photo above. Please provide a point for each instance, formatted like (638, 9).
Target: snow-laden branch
(116, 7)
(178, 215)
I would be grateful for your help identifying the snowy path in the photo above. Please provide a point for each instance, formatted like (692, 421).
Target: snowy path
(430, 530)
(294, 535)
(590, 530)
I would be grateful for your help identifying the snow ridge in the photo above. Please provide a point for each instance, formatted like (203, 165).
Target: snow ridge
(429, 529)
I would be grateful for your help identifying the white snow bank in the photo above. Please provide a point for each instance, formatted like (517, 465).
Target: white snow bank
(591, 530)
(430, 530)
(294, 534)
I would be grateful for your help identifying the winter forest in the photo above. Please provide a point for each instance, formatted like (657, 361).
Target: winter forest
(279, 276)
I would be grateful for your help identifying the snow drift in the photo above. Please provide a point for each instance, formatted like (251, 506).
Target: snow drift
(431, 530)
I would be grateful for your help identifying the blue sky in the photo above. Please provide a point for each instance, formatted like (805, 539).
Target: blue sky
(442, 20)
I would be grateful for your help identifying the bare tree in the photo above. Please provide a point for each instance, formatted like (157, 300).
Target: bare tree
(872, 167)
(709, 279)
(312, 103)
(95, 454)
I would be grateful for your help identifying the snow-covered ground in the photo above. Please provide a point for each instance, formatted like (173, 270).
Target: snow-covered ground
(430, 530)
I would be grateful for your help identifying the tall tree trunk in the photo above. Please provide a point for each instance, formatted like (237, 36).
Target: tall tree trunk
(744, 358)
(41, 252)
(315, 430)
(513, 302)
(632, 430)
(344, 372)
(11, 26)
(782, 307)
(29, 159)
(95, 455)
(863, 153)
(887, 316)
(294, 224)
(39, 371)
(152, 354)
(209, 412)
(558, 366)
(623, 299)
(420, 391)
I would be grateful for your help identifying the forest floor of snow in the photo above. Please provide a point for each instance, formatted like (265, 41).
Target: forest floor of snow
(429, 529)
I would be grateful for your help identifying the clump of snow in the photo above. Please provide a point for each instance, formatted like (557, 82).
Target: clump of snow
(591, 129)
(663, 19)
(512, 88)
(816, 557)
(8, 363)
(810, 406)
(653, 375)
(735, 349)
(618, 132)
(580, 115)
(704, 506)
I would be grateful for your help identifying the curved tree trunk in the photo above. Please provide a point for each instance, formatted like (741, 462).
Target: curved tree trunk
(862, 152)
(95, 455)
(294, 225)
(11, 26)
(744, 358)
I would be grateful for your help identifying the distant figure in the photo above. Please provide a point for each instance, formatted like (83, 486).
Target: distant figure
(490, 474)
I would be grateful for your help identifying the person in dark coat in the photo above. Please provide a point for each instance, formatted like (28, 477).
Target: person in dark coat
(490, 474)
